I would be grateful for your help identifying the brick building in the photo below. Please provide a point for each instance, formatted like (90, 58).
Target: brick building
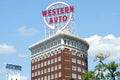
(59, 57)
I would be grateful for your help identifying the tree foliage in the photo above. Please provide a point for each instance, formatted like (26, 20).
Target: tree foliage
(112, 67)
(102, 71)
(88, 76)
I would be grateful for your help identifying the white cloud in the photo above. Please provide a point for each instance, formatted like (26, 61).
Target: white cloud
(27, 31)
(23, 55)
(108, 44)
(7, 49)
(23, 78)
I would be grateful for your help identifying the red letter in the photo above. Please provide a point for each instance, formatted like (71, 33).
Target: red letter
(44, 13)
(55, 19)
(60, 18)
(53, 12)
(71, 8)
(58, 10)
(51, 21)
(66, 9)
(64, 18)
(61, 10)
(49, 12)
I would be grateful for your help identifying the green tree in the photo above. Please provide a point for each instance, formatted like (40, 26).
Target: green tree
(100, 72)
(100, 68)
(112, 67)
(88, 75)
(103, 71)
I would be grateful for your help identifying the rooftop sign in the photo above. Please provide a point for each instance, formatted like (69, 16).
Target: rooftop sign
(57, 15)
(13, 67)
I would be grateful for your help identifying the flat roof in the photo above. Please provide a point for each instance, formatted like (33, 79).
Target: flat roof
(57, 36)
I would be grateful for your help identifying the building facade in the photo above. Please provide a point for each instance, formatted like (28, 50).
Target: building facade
(59, 57)
(13, 77)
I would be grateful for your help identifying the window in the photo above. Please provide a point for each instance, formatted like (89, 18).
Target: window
(79, 76)
(74, 44)
(45, 63)
(45, 78)
(83, 63)
(48, 77)
(41, 64)
(51, 53)
(59, 50)
(64, 41)
(55, 52)
(38, 58)
(48, 69)
(59, 66)
(41, 78)
(79, 69)
(78, 61)
(73, 67)
(38, 65)
(83, 70)
(56, 67)
(55, 59)
(32, 60)
(74, 60)
(78, 54)
(38, 78)
(41, 71)
(59, 58)
(52, 76)
(56, 75)
(41, 57)
(51, 61)
(68, 42)
(52, 68)
(59, 41)
(48, 62)
(45, 70)
(32, 67)
(51, 44)
(48, 46)
(35, 73)
(73, 75)
(38, 72)
(59, 74)
(45, 56)
(32, 74)
(48, 54)
(73, 52)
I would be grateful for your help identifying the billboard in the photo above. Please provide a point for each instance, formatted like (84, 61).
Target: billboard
(57, 15)
(13, 67)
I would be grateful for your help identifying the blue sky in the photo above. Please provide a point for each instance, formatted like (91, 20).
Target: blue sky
(21, 24)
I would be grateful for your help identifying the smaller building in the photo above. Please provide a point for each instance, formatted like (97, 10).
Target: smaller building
(13, 71)
(13, 77)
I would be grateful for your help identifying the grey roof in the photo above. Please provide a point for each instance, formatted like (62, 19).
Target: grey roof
(57, 36)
